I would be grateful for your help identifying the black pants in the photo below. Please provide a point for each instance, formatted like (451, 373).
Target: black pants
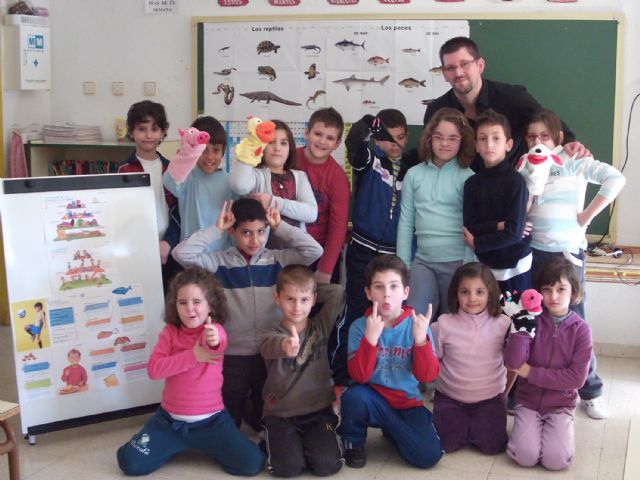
(244, 377)
(303, 442)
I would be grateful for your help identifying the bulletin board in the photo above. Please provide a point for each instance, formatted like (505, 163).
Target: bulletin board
(569, 64)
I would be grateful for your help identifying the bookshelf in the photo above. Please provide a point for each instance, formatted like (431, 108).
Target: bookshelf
(50, 159)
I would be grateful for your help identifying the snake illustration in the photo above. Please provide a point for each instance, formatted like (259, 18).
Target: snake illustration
(228, 91)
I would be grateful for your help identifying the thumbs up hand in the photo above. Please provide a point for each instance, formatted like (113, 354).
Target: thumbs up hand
(291, 344)
(211, 334)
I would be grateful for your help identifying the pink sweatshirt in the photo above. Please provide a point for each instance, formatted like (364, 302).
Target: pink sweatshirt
(470, 349)
(190, 388)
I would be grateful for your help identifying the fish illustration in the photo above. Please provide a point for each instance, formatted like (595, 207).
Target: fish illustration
(121, 290)
(267, 46)
(353, 80)
(313, 97)
(378, 60)
(312, 72)
(226, 71)
(267, 70)
(412, 83)
(349, 45)
(436, 70)
(368, 102)
(411, 50)
(315, 48)
(224, 49)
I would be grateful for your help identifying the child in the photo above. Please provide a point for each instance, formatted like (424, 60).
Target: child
(248, 273)
(330, 187)
(560, 219)
(35, 329)
(147, 126)
(389, 353)
(74, 376)
(298, 393)
(469, 406)
(201, 195)
(495, 207)
(276, 184)
(432, 209)
(189, 355)
(552, 366)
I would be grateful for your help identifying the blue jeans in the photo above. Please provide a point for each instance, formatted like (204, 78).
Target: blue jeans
(592, 387)
(217, 437)
(411, 430)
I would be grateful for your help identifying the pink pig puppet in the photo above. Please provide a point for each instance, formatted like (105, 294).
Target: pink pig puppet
(193, 145)
(534, 166)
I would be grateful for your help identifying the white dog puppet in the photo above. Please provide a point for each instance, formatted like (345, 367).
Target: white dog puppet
(534, 167)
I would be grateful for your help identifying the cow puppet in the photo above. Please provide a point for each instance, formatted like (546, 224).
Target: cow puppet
(534, 166)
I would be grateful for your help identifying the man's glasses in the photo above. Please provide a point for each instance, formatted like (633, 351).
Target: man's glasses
(464, 65)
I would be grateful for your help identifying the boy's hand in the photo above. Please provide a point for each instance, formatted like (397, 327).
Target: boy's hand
(577, 149)
(165, 248)
(524, 370)
(584, 218)
(374, 327)
(419, 326)
(273, 218)
(211, 334)
(468, 238)
(263, 198)
(226, 218)
(291, 344)
(202, 354)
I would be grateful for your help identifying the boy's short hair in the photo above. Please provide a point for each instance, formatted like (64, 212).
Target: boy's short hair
(392, 118)
(217, 135)
(330, 117)
(74, 350)
(385, 263)
(552, 271)
(247, 210)
(549, 119)
(467, 151)
(141, 112)
(38, 305)
(454, 44)
(300, 276)
(484, 273)
(492, 118)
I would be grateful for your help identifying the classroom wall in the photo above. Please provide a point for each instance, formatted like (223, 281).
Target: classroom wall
(114, 40)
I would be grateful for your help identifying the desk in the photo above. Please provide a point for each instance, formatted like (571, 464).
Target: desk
(10, 446)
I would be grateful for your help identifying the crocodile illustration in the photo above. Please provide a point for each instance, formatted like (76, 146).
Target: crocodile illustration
(264, 96)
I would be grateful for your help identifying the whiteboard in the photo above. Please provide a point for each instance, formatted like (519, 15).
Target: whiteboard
(85, 293)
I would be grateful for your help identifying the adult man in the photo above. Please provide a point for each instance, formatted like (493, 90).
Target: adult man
(462, 67)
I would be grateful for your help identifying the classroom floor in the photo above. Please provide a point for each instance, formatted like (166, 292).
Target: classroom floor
(89, 452)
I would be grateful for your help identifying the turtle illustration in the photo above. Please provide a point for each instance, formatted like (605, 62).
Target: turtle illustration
(267, 46)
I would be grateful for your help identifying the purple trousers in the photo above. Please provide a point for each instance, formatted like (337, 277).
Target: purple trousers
(482, 425)
(547, 438)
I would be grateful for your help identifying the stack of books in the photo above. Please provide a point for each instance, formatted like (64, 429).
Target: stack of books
(71, 133)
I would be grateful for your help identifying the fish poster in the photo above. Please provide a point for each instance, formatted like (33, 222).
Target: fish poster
(287, 69)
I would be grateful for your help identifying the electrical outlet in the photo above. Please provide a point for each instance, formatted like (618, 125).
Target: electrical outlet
(149, 89)
(117, 88)
(89, 88)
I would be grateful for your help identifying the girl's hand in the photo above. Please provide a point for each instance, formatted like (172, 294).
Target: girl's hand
(273, 218)
(165, 248)
(263, 198)
(202, 354)
(291, 344)
(226, 218)
(419, 327)
(524, 370)
(374, 326)
(468, 238)
(211, 334)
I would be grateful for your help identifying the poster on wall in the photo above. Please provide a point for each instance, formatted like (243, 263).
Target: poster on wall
(85, 294)
(284, 69)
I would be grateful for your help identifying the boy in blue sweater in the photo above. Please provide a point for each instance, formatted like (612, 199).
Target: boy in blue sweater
(379, 169)
(389, 353)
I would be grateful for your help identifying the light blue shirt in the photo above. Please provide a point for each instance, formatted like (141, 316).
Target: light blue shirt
(432, 208)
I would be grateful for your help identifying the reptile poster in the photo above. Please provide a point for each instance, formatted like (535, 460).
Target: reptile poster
(286, 69)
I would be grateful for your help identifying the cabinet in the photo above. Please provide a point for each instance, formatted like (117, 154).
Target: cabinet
(47, 159)
(27, 49)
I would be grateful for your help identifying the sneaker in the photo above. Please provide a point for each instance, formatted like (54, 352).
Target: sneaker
(595, 408)
(355, 457)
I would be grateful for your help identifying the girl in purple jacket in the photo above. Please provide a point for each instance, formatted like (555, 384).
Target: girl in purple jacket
(552, 365)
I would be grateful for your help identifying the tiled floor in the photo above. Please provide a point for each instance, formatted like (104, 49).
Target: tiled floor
(89, 452)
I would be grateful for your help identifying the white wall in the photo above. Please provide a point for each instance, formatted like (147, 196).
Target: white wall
(114, 40)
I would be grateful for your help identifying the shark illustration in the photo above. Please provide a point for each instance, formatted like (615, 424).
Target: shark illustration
(353, 80)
